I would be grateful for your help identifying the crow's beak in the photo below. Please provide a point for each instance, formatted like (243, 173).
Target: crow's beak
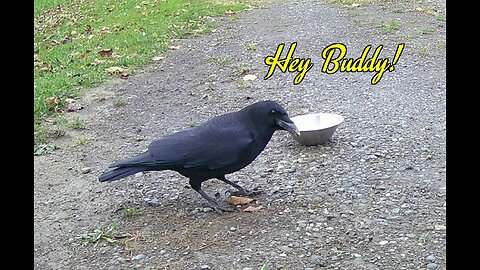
(288, 125)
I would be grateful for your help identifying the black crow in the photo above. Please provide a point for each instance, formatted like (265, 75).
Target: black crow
(222, 145)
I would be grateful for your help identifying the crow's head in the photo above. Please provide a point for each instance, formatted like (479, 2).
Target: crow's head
(273, 115)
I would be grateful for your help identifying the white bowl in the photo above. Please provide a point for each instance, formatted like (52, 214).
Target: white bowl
(316, 128)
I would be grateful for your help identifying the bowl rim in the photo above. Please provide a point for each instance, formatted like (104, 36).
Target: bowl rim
(339, 118)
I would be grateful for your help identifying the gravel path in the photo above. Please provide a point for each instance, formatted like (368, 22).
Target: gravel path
(371, 198)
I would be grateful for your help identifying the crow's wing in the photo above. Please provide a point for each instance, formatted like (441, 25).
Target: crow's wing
(210, 147)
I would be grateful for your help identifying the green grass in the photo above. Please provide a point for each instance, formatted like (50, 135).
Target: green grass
(82, 140)
(250, 46)
(390, 26)
(220, 60)
(41, 5)
(107, 233)
(130, 212)
(75, 44)
(119, 101)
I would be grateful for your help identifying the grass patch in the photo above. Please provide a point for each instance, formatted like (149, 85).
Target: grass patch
(424, 50)
(43, 149)
(266, 265)
(82, 140)
(107, 233)
(119, 101)
(82, 43)
(130, 212)
(241, 84)
(250, 46)
(220, 60)
(390, 26)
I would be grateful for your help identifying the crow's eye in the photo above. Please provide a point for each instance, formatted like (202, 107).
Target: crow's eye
(273, 112)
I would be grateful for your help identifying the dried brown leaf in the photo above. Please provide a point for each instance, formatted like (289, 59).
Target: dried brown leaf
(253, 208)
(113, 70)
(96, 62)
(234, 200)
(105, 52)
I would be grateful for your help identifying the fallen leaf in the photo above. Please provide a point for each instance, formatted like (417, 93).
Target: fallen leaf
(96, 62)
(105, 30)
(113, 70)
(234, 200)
(229, 12)
(158, 58)
(88, 29)
(249, 77)
(253, 208)
(105, 52)
(52, 103)
(52, 100)
(72, 106)
(66, 40)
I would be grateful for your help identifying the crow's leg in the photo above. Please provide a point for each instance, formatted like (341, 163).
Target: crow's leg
(241, 190)
(197, 186)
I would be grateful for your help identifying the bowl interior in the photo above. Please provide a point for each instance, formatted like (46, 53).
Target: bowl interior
(316, 121)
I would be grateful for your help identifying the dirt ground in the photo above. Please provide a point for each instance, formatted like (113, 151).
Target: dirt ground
(371, 198)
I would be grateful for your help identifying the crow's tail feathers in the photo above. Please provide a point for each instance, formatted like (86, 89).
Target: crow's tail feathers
(119, 173)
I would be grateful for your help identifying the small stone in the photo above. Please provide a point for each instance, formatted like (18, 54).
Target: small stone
(104, 250)
(331, 192)
(139, 257)
(154, 202)
(358, 261)
(393, 218)
(292, 170)
(232, 229)
(382, 243)
(431, 258)
(207, 209)
(432, 266)
(86, 170)
(285, 248)
(205, 266)
(322, 194)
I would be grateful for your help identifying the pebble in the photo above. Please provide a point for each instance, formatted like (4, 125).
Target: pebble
(205, 266)
(432, 266)
(86, 170)
(358, 261)
(285, 249)
(393, 218)
(103, 250)
(431, 258)
(207, 209)
(139, 257)
(154, 202)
